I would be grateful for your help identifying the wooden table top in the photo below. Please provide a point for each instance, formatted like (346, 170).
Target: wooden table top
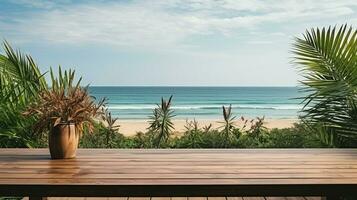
(179, 172)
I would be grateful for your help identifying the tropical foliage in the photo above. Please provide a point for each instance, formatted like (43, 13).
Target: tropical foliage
(161, 125)
(112, 126)
(20, 83)
(229, 132)
(65, 102)
(299, 136)
(328, 62)
(192, 135)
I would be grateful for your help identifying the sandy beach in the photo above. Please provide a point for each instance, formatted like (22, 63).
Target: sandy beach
(131, 127)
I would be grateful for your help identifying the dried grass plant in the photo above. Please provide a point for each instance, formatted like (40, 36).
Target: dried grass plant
(65, 103)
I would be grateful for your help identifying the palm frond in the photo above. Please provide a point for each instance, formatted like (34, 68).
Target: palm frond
(327, 59)
(20, 83)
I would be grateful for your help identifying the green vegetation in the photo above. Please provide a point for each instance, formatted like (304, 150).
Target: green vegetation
(327, 58)
(328, 62)
(20, 83)
(111, 128)
(229, 133)
(194, 137)
(161, 125)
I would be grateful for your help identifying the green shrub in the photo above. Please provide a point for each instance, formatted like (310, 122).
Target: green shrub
(298, 136)
(290, 138)
(98, 139)
(192, 138)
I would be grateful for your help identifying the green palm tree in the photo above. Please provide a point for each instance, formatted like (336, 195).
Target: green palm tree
(20, 77)
(20, 82)
(328, 62)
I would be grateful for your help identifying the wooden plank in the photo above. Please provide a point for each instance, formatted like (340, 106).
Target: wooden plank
(55, 176)
(164, 170)
(139, 198)
(343, 184)
(253, 198)
(217, 198)
(206, 167)
(160, 198)
(179, 198)
(115, 198)
(197, 198)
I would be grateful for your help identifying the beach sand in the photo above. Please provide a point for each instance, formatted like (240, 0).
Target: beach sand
(131, 127)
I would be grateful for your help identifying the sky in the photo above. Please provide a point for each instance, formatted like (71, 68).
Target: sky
(169, 42)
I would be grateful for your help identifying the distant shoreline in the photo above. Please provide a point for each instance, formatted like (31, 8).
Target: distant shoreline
(130, 127)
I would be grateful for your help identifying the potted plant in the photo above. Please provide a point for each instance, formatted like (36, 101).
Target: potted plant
(64, 110)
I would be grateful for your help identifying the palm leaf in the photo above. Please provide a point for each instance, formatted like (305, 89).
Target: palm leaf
(327, 59)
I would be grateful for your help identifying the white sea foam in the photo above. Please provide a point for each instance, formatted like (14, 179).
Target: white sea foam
(199, 107)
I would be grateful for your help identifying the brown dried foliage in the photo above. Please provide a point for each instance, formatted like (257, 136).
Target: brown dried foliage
(66, 104)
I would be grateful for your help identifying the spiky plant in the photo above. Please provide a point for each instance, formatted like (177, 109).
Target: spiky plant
(20, 83)
(65, 102)
(327, 58)
(161, 125)
(193, 134)
(191, 125)
(112, 127)
(228, 125)
(154, 120)
(207, 128)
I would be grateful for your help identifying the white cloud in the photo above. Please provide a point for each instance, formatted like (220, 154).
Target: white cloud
(161, 23)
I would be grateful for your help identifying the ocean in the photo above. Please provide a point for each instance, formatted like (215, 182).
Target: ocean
(202, 102)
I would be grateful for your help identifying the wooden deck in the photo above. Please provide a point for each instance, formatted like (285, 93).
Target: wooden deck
(180, 173)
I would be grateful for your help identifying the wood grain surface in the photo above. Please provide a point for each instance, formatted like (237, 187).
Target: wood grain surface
(180, 172)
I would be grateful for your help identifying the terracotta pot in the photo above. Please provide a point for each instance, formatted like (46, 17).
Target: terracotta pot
(63, 141)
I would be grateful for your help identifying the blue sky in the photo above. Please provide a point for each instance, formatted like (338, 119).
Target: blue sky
(169, 42)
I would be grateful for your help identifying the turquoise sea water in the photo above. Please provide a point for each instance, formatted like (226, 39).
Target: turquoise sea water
(202, 102)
